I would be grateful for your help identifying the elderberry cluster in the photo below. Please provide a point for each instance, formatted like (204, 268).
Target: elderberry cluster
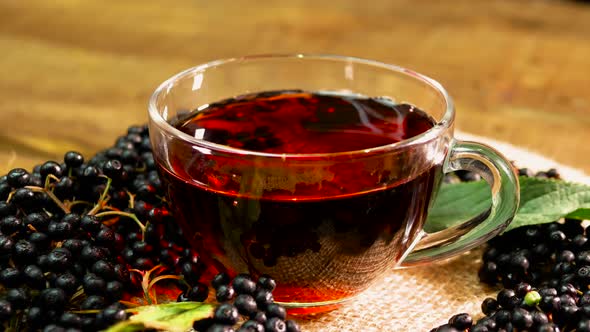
(78, 236)
(545, 274)
(249, 298)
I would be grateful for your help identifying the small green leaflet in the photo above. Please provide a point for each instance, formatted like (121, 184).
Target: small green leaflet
(541, 201)
(172, 317)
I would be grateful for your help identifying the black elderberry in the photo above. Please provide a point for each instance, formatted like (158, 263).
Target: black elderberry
(6, 208)
(40, 240)
(567, 314)
(522, 289)
(18, 178)
(567, 300)
(36, 180)
(488, 273)
(259, 316)
(103, 269)
(557, 239)
(568, 289)
(91, 254)
(487, 322)
(122, 273)
(143, 263)
(90, 224)
(73, 159)
(275, 310)
(90, 173)
(72, 219)
(24, 251)
(59, 230)
(562, 268)
(6, 244)
(59, 259)
(141, 248)
(245, 304)
(545, 292)
(4, 191)
(11, 277)
(266, 282)
(35, 317)
(18, 297)
(251, 326)
(182, 297)
(226, 314)
(583, 258)
(113, 169)
(70, 320)
(502, 317)
(539, 318)
(243, 284)
(263, 298)
(53, 328)
(53, 299)
(540, 251)
(24, 198)
(505, 297)
(198, 293)
(93, 284)
(224, 293)
(275, 325)
(33, 276)
(128, 254)
(67, 282)
(93, 302)
(6, 310)
(220, 328)
(550, 303)
(292, 326)
(110, 315)
(579, 242)
(73, 245)
(521, 319)
(114, 290)
(583, 325)
(10, 224)
(129, 156)
(566, 256)
(50, 168)
(141, 209)
(42, 262)
(489, 306)
(78, 269)
(105, 237)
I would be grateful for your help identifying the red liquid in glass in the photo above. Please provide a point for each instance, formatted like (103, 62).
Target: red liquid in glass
(321, 242)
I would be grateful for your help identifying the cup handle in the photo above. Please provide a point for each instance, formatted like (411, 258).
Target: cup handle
(501, 177)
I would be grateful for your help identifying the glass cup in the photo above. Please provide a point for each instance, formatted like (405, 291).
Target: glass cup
(322, 250)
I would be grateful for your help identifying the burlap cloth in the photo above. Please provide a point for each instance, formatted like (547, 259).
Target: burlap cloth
(421, 298)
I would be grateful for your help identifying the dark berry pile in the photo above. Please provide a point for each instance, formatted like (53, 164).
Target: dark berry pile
(77, 236)
(545, 274)
(249, 298)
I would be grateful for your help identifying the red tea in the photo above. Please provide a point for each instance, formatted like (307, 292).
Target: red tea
(324, 234)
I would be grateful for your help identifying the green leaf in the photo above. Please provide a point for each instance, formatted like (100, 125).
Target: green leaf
(541, 201)
(580, 214)
(172, 317)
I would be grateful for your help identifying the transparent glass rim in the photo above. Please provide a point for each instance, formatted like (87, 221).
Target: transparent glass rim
(431, 134)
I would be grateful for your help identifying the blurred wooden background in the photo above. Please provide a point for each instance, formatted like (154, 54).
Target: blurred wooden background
(75, 73)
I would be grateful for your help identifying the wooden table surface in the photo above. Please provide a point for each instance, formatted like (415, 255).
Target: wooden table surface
(75, 73)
